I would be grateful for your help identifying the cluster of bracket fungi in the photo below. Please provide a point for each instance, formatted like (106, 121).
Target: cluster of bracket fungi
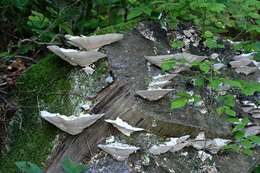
(87, 55)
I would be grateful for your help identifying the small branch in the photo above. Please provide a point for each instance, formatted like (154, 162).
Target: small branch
(25, 57)
(39, 43)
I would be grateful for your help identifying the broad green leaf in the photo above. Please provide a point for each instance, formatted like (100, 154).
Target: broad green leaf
(255, 139)
(233, 83)
(257, 169)
(233, 147)
(246, 143)
(232, 120)
(216, 7)
(179, 103)
(177, 44)
(245, 121)
(66, 27)
(71, 167)
(147, 10)
(38, 20)
(136, 12)
(227, 100)
(230, 112)
(211, 43)
(239, 135)
(21, 4)
(215, 84)
(199, 82)
(247, 151)
(28, 167)
(208, 34)
(204, 67)
(221, 110)
(184, 94)
(238, 127)
(168, 65)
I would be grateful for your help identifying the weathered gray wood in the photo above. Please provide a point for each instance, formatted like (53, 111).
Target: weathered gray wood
(129, 66)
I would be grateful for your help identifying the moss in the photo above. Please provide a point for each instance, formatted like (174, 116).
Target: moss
(50, 85)
(31, 139)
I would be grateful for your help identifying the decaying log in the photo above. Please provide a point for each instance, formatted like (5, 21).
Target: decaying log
(119, 100)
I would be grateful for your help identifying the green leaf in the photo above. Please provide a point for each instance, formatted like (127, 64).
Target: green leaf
(177, 44)
(247, 151)
(208, 34)
(71, 167)
(232, 120)
(66, 27)
(233, 83)
(227, 100)
(238, 127)
(199, 82)
(37, 20)
(216, 7)
(136, 12)
(230, 112)
(179, 103)
(255, 139)
(184, 94)
(205, 67)
(257, 169)
(211, 43)
(168, 65)
(239, 135)
(21, 4)
(245, 121)
(233, 147)
(147, 10)
(221, 110)
(246, 143)
(28, 167)
(215, 84)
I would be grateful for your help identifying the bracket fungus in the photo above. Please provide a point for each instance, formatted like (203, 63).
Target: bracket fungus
(200, 142)
(72, 124)
(159, 59)
(217, 144)
(153, 94)
(218, 66)
(75, 57)
(240, 63)
(246, 70)
(93, 42)
(161, 81)
(174, 145)
(252, 130)
(119, 151)
(123, 126)
(244, 56)
(213, 146)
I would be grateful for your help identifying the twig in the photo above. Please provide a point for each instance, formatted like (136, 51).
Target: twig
(39, 43)
(25, 57)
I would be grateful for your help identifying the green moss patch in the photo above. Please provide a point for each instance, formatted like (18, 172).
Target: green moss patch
(51, 85)
(31, 138)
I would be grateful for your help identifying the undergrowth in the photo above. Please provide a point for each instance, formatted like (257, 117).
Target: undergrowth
(27, 26)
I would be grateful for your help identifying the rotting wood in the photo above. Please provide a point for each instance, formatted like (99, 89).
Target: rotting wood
(128, 64)
(116, 100)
